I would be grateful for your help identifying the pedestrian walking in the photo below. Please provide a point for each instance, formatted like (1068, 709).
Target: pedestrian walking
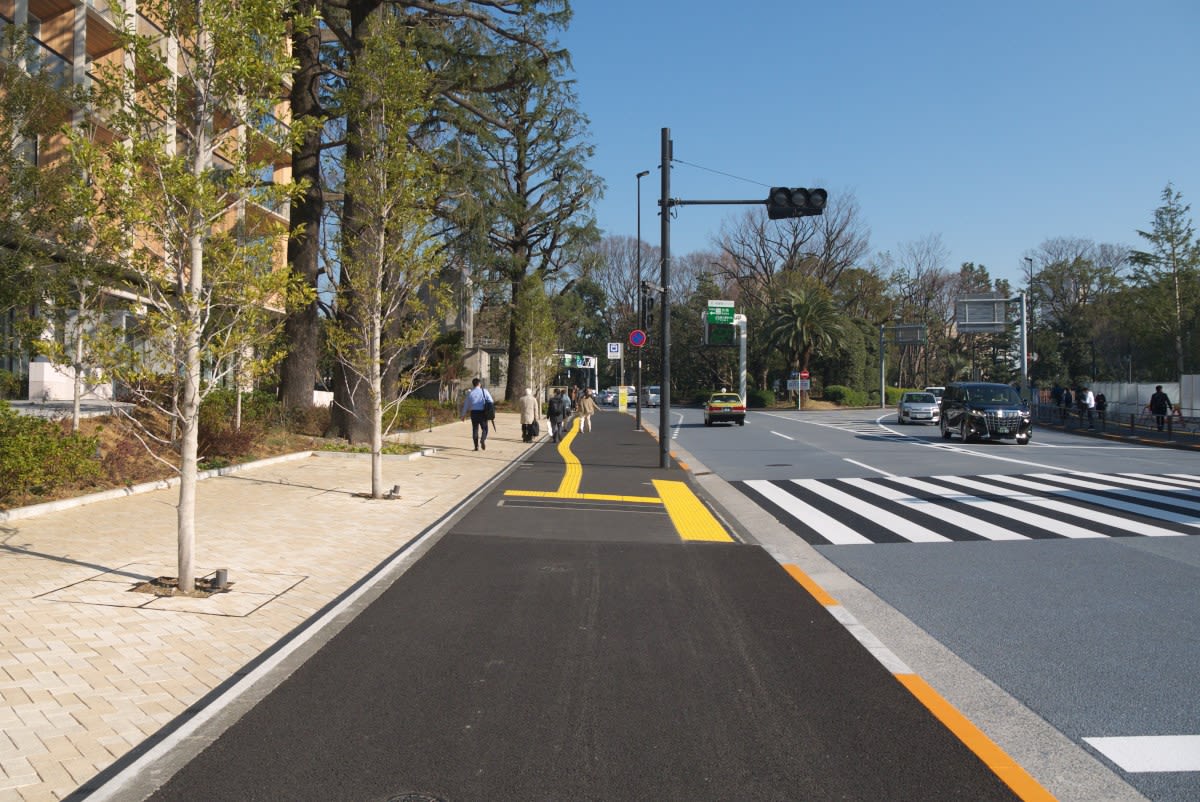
(531, 413)
(1087, 405)
(556, 411)
(1101, 409)
(1066, 400)
(477, 404)
(587, 408)
(1160, 406)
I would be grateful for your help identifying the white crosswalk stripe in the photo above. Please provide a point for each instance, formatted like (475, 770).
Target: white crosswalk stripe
(942, 509)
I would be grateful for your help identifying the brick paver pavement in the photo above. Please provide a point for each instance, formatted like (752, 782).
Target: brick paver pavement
(88, 668)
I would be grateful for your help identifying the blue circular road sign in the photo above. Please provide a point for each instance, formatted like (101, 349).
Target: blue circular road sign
(637, 338)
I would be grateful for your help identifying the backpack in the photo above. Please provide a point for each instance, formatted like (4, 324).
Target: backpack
(555, 407)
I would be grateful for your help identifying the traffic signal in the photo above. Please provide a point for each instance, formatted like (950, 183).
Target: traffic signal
(783, 202)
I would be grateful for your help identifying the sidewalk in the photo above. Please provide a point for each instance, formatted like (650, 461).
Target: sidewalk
(89, 668)
(1178, 434)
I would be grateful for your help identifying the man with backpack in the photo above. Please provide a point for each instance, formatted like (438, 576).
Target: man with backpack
(556, 411)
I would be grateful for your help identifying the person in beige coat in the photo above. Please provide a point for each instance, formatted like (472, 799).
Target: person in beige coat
(587, 408)
(531, 413)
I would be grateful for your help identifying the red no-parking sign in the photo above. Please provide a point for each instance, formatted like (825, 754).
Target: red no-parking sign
(637, 338)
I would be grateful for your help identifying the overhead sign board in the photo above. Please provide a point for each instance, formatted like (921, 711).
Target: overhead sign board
(981, 313)
(720, 311)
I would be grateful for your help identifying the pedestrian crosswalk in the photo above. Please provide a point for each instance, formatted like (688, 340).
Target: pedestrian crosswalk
(941, 509)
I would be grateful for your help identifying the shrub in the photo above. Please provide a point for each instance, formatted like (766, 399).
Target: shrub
(845, 396)
(414, 413)
(226, 441)
(313, 421)
(10, 385)
(37, 456)
(760, 399)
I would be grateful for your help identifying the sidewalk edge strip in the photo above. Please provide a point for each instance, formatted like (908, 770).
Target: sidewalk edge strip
(995, 758)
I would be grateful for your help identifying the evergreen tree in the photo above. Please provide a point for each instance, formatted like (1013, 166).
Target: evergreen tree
(1170, 270)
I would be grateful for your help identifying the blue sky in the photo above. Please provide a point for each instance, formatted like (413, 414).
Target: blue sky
(993, 125)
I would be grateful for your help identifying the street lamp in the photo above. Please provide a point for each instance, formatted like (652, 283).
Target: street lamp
(637, 400)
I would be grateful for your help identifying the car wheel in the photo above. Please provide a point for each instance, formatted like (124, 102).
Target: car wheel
(963, 431)
(1023, 439)
(707, 422)
(945, 430)
(741, 421)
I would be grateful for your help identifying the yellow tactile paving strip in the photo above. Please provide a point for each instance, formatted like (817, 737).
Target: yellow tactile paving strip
(691, 519)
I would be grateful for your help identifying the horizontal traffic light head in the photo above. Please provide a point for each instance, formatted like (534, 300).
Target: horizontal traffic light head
(784, 202)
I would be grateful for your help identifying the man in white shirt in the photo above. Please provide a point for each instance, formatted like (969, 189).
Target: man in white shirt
(1088, 402)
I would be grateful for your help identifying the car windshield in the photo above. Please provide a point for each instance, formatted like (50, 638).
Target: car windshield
(919, 398)
(994, 395)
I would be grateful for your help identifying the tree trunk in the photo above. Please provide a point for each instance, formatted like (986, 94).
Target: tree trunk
(516, 354)
(298, 371)
(189, 419)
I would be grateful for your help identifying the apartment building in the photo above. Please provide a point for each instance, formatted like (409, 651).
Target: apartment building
(72, 40)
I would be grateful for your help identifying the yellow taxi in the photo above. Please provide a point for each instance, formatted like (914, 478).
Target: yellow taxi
(724, 407)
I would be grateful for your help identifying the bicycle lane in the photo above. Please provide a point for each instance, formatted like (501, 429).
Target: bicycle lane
(564, 641)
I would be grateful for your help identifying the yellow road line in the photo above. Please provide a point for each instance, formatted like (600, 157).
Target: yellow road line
(1007, 769)
(691, 518)
(584, 496)
(814, 590)
(995, 758)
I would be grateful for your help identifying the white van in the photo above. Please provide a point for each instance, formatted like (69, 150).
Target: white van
(651, 396)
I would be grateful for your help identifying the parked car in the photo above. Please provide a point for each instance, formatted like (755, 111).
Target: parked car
(917, 407)
(651, 396)
(607, 397)
(724, 407)
(986, 411)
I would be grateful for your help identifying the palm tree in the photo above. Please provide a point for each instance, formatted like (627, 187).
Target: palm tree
(802, 321)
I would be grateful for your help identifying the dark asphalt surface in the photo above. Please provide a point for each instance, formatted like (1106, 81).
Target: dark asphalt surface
(579, 650)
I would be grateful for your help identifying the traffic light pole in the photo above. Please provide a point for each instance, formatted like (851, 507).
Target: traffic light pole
(781, 203)
(664, 397)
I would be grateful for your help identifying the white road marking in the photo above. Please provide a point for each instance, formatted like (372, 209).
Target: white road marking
(901, 526)
(784, 436)
(1146, 753)
(870, 468)
(831, 529)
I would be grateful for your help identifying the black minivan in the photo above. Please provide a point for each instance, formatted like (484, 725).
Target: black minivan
(987, 411)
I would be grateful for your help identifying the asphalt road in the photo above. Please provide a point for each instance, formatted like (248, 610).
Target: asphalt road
(570, 647)
(1086, 615)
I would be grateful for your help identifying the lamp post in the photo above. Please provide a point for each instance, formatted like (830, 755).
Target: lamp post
(637, 401)
(1029, 259)
(1025, 343)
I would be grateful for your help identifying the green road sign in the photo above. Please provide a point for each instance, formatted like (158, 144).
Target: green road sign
(720, 312)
